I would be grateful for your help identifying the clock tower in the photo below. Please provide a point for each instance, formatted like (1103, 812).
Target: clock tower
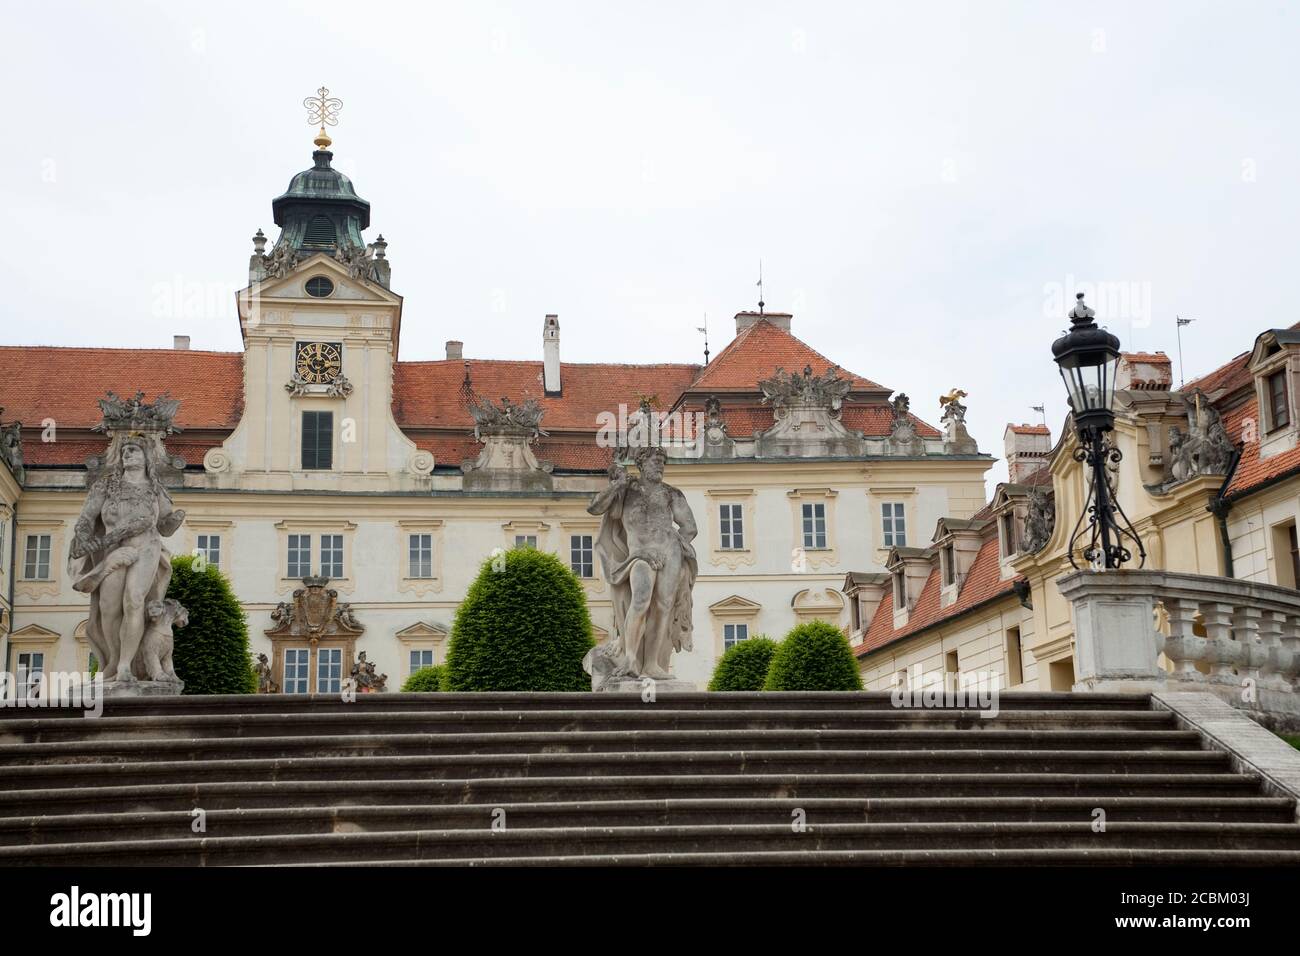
(321, 330)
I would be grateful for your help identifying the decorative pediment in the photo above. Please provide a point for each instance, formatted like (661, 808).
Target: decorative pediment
(506, 463)
(314, 613)
(291, 283)
(33, 634)
(807, 408)
(825, 604)
(422, 632)
(735, 606)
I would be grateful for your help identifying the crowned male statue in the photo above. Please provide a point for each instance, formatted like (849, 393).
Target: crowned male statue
(646, 556)
(117, 555)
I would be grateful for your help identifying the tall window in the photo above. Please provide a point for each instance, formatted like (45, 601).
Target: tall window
(329, 670)
(814, 525)
(295, 670)
(733, 634)
(421, 658)
(731, 527)
(31, 668)
(209, 545)
(1293, 545)
(331, 555)
(1278, 406)
(36, 563)
(893, 524)
(1015, 667)
(1008, 525)
(580, 555)
(299, 555)
(525, 541)
(317, 441)
(421, 556)
(949, 565)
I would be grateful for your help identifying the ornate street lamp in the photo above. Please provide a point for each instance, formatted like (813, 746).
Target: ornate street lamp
(1087, 357)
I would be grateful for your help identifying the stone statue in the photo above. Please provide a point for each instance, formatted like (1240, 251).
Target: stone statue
(903, 436)
(364, 677)
(11, 447)
(1181, 463)
(646, 556)
(265, 682)
(1041, 520)
(117, 554)
(155, 659)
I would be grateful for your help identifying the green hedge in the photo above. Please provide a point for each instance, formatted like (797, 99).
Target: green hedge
(814, 656)
(522, 626)
(426, 680)
(745, 665)
(212, 654)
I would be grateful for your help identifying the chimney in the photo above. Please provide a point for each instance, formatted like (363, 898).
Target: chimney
(181, 343)
(551, 355)
(455, 350)
(1027, 448)
(780, 319)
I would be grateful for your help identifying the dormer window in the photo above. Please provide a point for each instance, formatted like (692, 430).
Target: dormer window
(1279, 406)
(948, 559)
(900, 591)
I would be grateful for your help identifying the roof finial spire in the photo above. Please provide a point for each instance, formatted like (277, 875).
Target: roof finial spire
(323, 109)
(705, 329)
(760, 287)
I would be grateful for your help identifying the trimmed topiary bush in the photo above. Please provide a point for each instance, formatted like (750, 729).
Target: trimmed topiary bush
(745, 665)
(212, 654)
(426, 680)
(814, 656)
(522, 626)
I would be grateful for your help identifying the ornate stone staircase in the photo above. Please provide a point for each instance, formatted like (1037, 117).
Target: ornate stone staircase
(517, 779)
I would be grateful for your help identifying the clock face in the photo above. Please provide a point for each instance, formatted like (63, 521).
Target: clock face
(319, 362)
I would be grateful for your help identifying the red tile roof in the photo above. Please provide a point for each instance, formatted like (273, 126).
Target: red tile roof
(40, 382)
(1227, 378)
(1150, 358)
(982, 584)
(1029, 429)
(756, 352)
(434, 394)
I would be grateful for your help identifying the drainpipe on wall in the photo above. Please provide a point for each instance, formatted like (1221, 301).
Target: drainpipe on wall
(1220, 507)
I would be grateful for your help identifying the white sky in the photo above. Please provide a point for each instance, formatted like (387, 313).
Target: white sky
(926, 183)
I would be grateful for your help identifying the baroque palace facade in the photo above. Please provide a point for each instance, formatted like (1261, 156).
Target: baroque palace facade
(317, 452)
(1210, 478)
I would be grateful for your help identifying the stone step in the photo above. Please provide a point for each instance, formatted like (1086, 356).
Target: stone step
(105, 826)
(430, 844)
(757, 700)
(511, 765)
(273, 723)
(330, 791)
(880, 858)
(585, 741)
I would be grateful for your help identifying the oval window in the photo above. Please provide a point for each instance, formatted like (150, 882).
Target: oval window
(319, 287)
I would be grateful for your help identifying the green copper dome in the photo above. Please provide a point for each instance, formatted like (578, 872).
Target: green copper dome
(320, 211)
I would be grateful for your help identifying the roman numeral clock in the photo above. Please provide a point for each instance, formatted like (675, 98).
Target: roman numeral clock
(318, 370)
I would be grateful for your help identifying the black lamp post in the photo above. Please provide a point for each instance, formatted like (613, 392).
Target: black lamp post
(1088, 357)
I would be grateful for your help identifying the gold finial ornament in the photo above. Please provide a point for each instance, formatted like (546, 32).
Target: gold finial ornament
(323, 109)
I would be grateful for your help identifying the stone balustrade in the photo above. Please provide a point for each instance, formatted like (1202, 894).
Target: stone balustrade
(1150, 630)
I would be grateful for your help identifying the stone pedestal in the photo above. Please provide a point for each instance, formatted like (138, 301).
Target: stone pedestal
(142, 688)
(638, 685)
(1116, 644)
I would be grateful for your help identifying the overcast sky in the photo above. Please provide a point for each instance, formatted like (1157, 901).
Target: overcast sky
(926, 184)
